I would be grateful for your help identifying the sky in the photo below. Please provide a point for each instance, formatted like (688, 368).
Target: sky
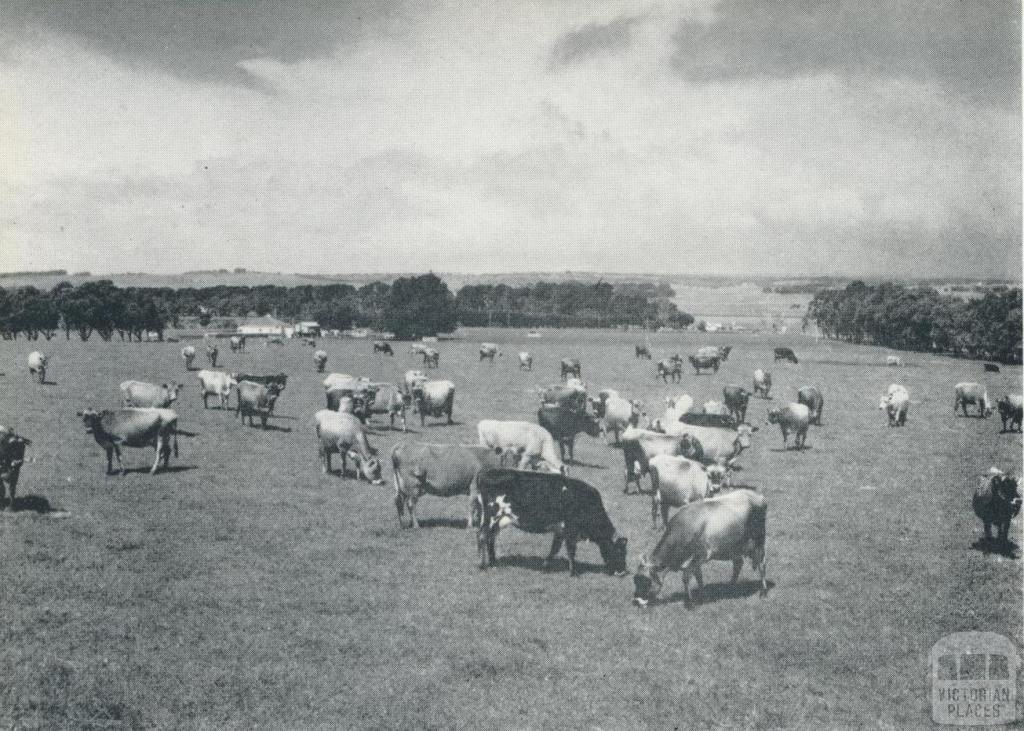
(847, 137)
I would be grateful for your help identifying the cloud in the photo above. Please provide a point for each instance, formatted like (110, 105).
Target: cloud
(969, 49)
(591, 39)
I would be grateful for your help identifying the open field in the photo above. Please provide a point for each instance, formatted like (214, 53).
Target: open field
(244, 588)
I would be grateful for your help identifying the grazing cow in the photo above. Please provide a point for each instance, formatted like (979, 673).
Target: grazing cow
(379, 346)
(320, 360)
(216, 383)
(711, 414)
(278, 379)
(736, 400)
(237, 343)
(991, 368)
(188, 354)
(571, 367)
(728, 527)
(708, 363)
(974, 394)
(388, 400)
(434, 398)
(893, 360)
(532, 442)
(343, 434)
(677, 481)
(792, 418)
(148, 395)
(762, 383)
(488, 350)
(811, 397)
(525, 361)
(37, 365)
(113, 429)
(785, 354)
(12, 457)
(444, 470)
(997, 501)
(642, 351)
(639, 446)
(667, 368)
(211, 355)
(719, 444)
(543, 503)
(412, 379)
(617, 413)
(255, 398)
(431, 358)
(1010, 411)
(896, 404)
(565, 423)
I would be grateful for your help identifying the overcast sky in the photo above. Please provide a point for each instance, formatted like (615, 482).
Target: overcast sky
(841, 137)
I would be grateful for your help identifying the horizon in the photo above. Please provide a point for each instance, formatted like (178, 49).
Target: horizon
(719, 138)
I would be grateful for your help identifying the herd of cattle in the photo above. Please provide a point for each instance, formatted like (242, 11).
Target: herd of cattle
(516, 474)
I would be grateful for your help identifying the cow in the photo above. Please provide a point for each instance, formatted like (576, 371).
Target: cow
(720, 444)
(642, 351)
(617, 413)
(379, 346)
(670, 368)
(148, 395)
(709, 363)
(565, 423)
(431, 358)
(572, 396)
(280, 380)
(762, 383)
(309, 341)
(974, 394)
(113, 429)
(896, 403)
(715, 351)
(412, 379)
(811, 397)
(488, 351)
(434, 398)
(786, 354)
(338, 433)
(525, 361)
(358, 393)
(388, 400)
(258, 399)
(570, 367)
(216, 383)
(736, 400)
(536, 502)
(717, 408)
(1010, 411)
(274, 340)
(728, 527)
(319, 360)
(532, 442)
(991, 368)
(639, 446)
(417, 349)
(335, 380)
(677, 480)
(237, 343)
(997, 501)
(893, 360)
(792, 418)
(37, 365)
(443, 470)
(12, 457)
(211, 355)
(188, 354)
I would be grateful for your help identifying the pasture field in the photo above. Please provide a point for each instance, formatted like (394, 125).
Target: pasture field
(244, 588)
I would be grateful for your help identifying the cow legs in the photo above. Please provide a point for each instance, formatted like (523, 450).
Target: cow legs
(700, 579)
(117, 453)
(410, 502)
(556, 546)
(485, 536)
(159, 452)
(785, 439)
(570, 549)
(110, 456)
(737, 566)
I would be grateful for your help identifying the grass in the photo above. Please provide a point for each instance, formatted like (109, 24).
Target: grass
(252, 590)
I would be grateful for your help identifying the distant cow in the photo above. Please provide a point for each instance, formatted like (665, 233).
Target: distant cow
(188, 354)
(536, 502)
(280, 380)
(1010, 408)
(677, 481)
(736, 400)
(274, 340)
(388, 400)
(997, 501)
(431, 358)
(729, 527)
(379, 346)
(417, 349)
(488, 351)
(670, 368)
(565, 423)
(762, 383)
(642, 351)
(255, 398)
(617, 413)
(525, 361)
(974, 394)
(343, 434)
(791, 418)
(570, 367)
(444, 470)
(211, 355)
(12, 457)
(896, 404)
(37, 365)
(991, 368)
(705, 363)
(319, 360)
(811, 397)
(532, 442)
(215, 383)
(715, 351)
(148, 395)
(237, 343)
(113, 429)
(893, 360)
(785, 354)
(435, 399)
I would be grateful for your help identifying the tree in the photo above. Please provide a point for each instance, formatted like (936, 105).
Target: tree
(419, 306)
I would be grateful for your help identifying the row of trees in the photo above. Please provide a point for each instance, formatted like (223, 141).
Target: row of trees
(410, 307)
(921, 319)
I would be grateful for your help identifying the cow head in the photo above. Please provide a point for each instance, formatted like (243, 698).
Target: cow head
(614, 554)
(719, 477)
(744, 432)
(91, 419)
(655, 425)
(171, 392)
(591, 425)
(369, 466)
(1005, 489)
(636, 412)
(646, 583)
(12, 449)
(774, 415)
(986, 404)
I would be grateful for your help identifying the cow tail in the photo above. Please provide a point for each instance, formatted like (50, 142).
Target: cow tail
(175, 440)
(396, 473)
(756, 529)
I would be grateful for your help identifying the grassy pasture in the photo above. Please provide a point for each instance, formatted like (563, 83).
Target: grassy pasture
(246, 589)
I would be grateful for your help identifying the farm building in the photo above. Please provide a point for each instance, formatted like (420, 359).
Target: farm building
(309, 328)
(266, 325)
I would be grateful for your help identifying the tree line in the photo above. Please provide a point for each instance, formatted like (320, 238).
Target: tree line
(919, 318)
(410, 307)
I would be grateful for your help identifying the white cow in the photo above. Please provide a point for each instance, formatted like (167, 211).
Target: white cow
(676, 481)
(531, 441)
(215, 383)
(896, 403)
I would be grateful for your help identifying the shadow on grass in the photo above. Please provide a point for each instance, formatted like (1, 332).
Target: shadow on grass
(435, 424)
(994, 545)
(460, 523)
(30, 504)
(558, 565)
(271, 427)
(145, 470)
(576, 463)
(860, 364)
(718, 592)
